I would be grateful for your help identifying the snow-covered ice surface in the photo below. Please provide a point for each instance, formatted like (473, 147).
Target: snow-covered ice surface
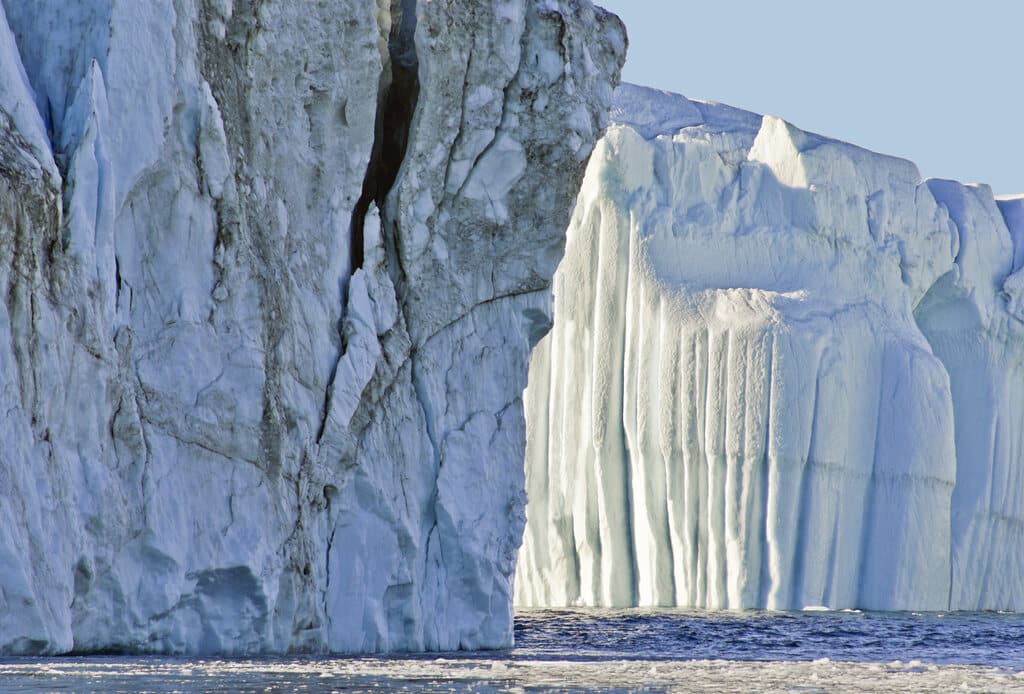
(784, 372)
(271, 272)
(612, 651)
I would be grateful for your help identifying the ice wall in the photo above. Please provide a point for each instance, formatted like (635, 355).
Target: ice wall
(784, 372)
(271, 274)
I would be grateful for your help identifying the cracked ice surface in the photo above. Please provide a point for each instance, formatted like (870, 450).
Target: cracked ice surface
(225, 429)
(784, 372)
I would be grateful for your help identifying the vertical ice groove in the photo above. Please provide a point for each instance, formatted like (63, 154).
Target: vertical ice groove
(533, 579)
(659, 503)
(569, 469)
(559, 425)
(601, 373)
(700, 493)
(733, 426)
(632, 340)
(865, 547)
(686, 504)
(754, 469)
(611, 457)
(828, 597)
(626, 583)
(803, 504)
(635, 348)
(713, 452)
(777, 497)
(748, 562)
(668, 397)
(763, 536)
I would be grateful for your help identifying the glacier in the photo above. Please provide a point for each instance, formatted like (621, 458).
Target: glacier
(784, 372)
(271, 276)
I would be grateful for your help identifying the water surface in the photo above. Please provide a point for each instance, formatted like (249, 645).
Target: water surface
(969, 638)
(610, 650)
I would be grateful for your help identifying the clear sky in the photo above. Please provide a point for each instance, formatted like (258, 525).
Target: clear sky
(938, 82)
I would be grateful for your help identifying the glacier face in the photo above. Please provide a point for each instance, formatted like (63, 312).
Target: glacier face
(272, 272)
(784, 372)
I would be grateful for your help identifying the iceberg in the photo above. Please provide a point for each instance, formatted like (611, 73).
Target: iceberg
(784, 371)
(271, 273)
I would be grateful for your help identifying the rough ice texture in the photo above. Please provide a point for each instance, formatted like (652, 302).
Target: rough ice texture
(271, 274)
(784, 372)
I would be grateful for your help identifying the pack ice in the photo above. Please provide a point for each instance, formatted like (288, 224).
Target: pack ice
(271, 272)
(784, 372)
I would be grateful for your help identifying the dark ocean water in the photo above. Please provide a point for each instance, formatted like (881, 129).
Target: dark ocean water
(610, 650)
(968, 638)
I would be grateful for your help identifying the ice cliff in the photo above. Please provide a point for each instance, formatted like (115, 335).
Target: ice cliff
(271, 272)
(784, 372)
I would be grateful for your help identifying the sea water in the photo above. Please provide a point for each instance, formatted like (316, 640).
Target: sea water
(611, 650)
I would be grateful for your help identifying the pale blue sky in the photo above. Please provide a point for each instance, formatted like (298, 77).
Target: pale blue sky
(940, 83)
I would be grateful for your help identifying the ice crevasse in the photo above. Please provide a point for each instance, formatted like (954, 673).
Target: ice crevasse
(784, 371)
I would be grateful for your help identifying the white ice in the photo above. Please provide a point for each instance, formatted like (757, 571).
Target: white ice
(784, 371)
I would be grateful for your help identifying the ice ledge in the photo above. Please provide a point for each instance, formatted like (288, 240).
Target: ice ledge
(653, 112)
